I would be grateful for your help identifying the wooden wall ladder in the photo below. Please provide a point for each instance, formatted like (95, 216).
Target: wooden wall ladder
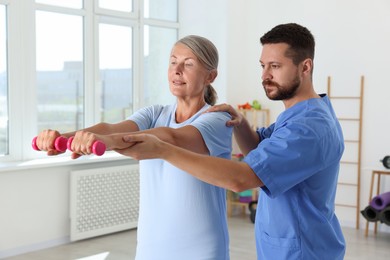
(356, 141)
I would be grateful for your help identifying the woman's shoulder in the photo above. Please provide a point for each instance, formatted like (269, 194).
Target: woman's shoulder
(157, 109)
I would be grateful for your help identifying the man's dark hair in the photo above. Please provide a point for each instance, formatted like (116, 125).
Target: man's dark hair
(299, 38)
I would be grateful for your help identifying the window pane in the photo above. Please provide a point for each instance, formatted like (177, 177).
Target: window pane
(161, 10)
(115, 64)
(60, 87)
(64, 3)
(3, 83)
(117, 5)
(158, 45)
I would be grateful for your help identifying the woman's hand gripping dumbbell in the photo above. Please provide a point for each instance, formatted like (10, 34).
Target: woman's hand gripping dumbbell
(54, 143)
(98, 148)
(60, 144)
(50, 141)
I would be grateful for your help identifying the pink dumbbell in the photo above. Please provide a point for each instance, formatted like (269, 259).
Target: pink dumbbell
(98, 148)
(60, 144)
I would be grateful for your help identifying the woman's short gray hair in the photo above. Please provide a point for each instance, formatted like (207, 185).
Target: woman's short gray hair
(207, 54)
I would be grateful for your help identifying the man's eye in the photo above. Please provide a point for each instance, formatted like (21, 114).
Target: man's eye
(275, 66)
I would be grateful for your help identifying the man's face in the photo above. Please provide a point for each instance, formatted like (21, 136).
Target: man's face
(280, 77)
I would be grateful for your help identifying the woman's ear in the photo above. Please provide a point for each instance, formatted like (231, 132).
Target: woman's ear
(211, 77)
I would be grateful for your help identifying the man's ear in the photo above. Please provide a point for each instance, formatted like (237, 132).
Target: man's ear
(307, 66)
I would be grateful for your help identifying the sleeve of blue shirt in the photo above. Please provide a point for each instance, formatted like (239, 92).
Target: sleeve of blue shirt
(290, 153)
(215, 133)
(146, 117)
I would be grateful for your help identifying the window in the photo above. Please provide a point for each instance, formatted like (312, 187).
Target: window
(161, 10)
(115, 65)
(158, 43)
(60, 74)
(82, 62)
(117, 5)
(3, 83)
(65, 3)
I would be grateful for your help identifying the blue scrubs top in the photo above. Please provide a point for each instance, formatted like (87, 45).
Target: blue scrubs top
(298, 161)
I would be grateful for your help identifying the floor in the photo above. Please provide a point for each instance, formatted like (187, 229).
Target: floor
(121, 246)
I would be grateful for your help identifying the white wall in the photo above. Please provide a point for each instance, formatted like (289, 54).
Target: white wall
(34, 204)
(208, 19)
(352, 38)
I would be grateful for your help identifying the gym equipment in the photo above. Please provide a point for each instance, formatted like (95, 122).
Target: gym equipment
(380, 201)
(386, 161)
(60, 144)
(350, 107)
(98, 148)
(370, 214)
(245, 196)
(384, 216)
(252, 208)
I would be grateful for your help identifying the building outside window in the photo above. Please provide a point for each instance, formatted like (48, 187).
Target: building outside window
(94, 60)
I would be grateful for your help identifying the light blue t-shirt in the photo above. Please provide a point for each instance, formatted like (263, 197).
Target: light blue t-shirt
(298, 161)
(181, 217)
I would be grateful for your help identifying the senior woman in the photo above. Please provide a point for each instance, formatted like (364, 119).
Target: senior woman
(180, 217)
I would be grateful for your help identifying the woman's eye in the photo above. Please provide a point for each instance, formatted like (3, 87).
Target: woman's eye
(188, 64)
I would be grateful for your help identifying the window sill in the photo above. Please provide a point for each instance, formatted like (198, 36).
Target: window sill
(61, 161)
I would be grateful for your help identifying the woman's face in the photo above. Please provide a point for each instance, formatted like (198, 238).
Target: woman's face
(186, 74)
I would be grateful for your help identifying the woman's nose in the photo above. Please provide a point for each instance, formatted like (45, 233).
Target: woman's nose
(179, 68)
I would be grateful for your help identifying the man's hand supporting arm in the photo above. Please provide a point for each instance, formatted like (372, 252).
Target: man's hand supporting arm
(232, 175)
(246, 138)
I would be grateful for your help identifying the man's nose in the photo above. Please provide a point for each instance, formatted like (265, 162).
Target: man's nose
(265, 74)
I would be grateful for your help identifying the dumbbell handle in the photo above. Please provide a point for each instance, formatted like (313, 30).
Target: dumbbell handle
(98, 148)
(60, 144)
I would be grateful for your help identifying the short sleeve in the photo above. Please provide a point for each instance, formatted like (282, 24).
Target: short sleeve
(265, 132)
(291, 155)
(215, 133)
(146, 117)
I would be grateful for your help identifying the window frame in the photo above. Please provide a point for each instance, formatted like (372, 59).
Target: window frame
(21, 65)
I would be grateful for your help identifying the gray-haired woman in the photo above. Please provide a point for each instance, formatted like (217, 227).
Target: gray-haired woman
(180, 216)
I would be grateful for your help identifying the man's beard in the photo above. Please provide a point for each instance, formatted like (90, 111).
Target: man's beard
(282, 92)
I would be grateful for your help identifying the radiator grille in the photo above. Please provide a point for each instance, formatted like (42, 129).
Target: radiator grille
(103, 201)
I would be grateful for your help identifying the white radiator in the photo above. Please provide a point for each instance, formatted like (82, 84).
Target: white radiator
(103, 200)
